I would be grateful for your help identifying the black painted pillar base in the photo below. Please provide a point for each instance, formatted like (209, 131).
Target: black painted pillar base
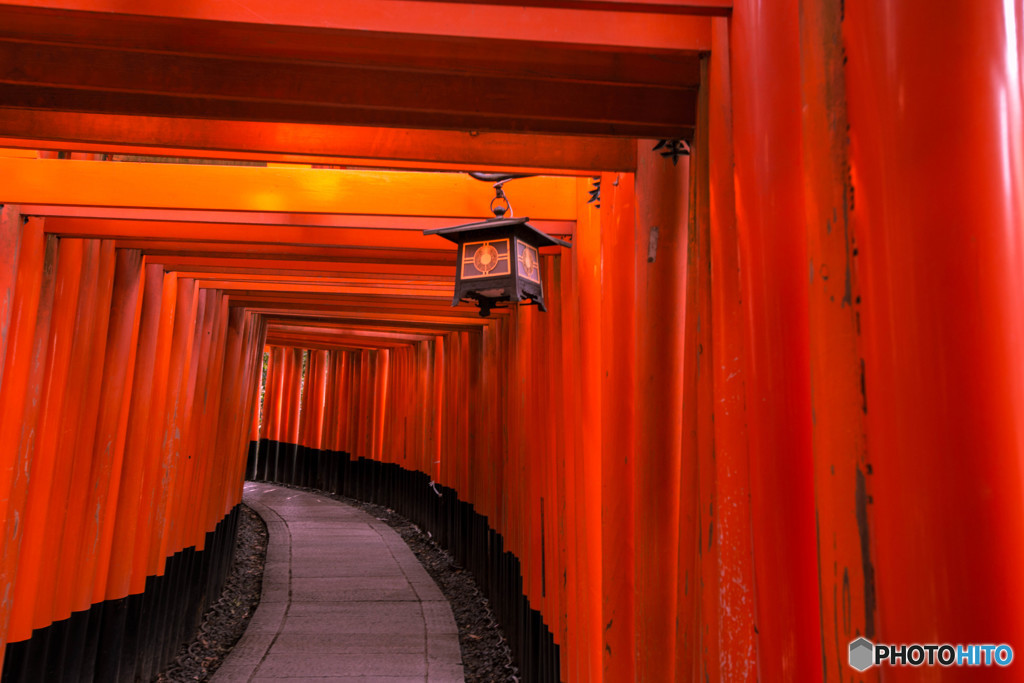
(132, 638)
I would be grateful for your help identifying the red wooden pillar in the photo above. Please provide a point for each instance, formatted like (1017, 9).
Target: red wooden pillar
(335, 418)
(470, 386)
(190, 461)
(10, 246)
(258, 389)
(25, 307)
(514, 494)
(488, 457)
(172, 422)
(206, 407)
(937, 211)
(846, 573)
(390, 405)
(350, 400)
(437, 407)
(294, 395)
(225, 420)
(503, 510)
(250, 347)
(553, 509)
(278, 401)
(382, 368)
(446, 410)
(662, 192)
(410, 447)
(318, 404)
(275, 394)
(545, 502)
(732, 536)
(254, 345)
(365, 406)
(526, 488)
(588, 275)
(133, 481)
(292, 408)
(279, 425)
(343, 407)
(618, 333)
(254, 423)
(371, 396)
(267, 412)
(315, 404)
(306, 419)
(699, 600)
(467, 409)
(243, 361)
(773, 250)
(306, 388)
(146, 559)
(416, 403)
(560, 511)
(183, 458)
(266, 405)
(114, 395)
(73, 587)
(211, 424)
(21, 399)
(272, 405)
(511, 492)
(565, 422)
(263, 381)
(417, 406)
(30, 417)
(417, 424)
(176, 535)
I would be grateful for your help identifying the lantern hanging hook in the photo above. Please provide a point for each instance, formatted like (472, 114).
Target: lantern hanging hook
(499, 196)
(499, 180)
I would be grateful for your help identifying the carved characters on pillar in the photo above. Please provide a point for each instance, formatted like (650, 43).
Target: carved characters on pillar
(595, 194)
(673, 149)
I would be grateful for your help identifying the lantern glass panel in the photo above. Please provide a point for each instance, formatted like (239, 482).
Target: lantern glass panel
(528, 261)
(485, 259)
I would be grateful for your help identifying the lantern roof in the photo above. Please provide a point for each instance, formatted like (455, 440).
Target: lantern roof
(461, 233)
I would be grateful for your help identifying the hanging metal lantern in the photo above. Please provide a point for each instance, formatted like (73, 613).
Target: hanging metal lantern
(499, 258)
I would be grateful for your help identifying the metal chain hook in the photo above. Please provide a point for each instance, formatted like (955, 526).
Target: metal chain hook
(499, 180)
(499, 194)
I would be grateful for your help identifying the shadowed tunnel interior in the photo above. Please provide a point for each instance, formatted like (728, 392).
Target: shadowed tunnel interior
(775, 403)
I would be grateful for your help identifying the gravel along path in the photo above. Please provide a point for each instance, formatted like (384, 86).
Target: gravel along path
(486, 657)
(225, 622)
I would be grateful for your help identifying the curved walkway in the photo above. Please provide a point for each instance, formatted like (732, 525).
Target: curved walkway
(344, 599)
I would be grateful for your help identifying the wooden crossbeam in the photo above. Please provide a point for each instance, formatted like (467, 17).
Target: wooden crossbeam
(343, 146)
(656, 26)
(265, 218)
(273, 190)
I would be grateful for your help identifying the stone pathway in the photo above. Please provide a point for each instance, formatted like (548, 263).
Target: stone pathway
(344, 599)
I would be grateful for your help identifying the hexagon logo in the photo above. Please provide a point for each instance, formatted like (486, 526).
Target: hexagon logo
(862, 654)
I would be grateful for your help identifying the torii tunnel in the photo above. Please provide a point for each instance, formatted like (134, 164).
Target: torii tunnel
(776, 403)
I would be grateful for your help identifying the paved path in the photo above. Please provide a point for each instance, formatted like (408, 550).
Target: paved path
(344, 599)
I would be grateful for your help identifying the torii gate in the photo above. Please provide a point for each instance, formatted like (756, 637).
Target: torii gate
(780, 385)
